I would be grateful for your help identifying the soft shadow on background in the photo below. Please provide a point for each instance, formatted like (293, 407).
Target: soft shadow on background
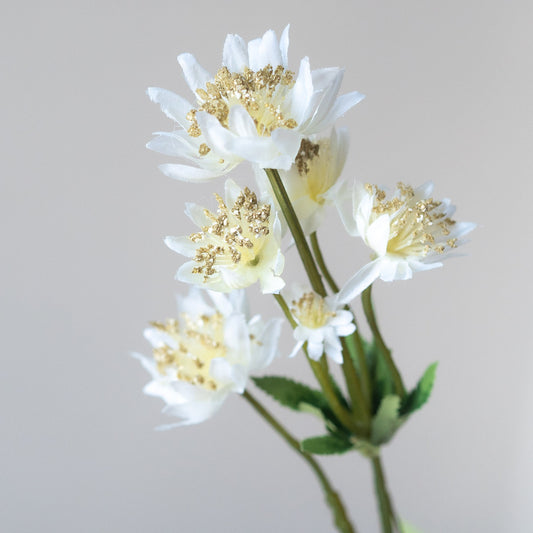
(84, 210)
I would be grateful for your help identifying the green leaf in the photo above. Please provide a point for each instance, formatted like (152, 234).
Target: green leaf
(291, 393)
(420, 394)
(326, 445)
(386, 421)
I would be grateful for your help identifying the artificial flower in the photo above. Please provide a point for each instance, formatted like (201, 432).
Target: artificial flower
(253, 109)
(320, 322)
(206, 353)
(407, 231)
(237, 246)
(312, 181)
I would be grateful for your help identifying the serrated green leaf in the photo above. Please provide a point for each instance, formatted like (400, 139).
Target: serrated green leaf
(420, 394)
(386, 421)
(326, 445)
(406, 527)
(298, 397)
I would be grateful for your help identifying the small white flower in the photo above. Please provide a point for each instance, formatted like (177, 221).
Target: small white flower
(253, 109)
(206, 353)
(236, 247)
(312, 181)
(408, 232)
(321, 322)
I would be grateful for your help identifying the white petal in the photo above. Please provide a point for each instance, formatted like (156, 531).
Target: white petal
(377, 235)
(359, 282)
(345, 208)
(341, 105)
(241, 123)
(197, 214)
(268, 342)
(235, 55)
(346, 329)
(147, 363)
(315, 350)
(181, 245)
(301, 92)
(284, 46)
(296, 348)
(271, 284)
(195, 75)
(173, 144)
(190, 174)
(174, 106)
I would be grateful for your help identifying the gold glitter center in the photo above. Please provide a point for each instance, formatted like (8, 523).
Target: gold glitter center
(235, 236)
(198, 340)
(311, 311)
(262, 94)
(418, 225)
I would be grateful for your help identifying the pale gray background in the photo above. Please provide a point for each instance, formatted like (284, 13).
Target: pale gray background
(84, 210)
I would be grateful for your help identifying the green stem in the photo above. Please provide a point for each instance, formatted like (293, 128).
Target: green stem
(342, 522)
(372, 322)
(322, 264)
(351, 344)
(296, 230)
(389, 521)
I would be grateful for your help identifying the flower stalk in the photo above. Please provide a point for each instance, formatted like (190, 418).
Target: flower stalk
(383, 349)
(296, 230)
(389, 521)
(342, 522)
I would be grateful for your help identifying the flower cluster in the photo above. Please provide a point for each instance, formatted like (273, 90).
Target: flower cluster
(255, 109)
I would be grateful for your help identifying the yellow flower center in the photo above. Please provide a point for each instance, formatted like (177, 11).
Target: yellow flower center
(315, 165)
(198, 340)
(261, 93)
(311, 311)
(418, 225)
(236, 235)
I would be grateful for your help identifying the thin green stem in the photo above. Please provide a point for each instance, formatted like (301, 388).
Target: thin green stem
(322, 375)
(342, 522)
(363, 384)
(322, 264)
(372, 322)
(389, 521)
(296, 230)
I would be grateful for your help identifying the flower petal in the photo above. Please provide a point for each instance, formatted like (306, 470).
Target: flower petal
(195, 75)
(359, 282)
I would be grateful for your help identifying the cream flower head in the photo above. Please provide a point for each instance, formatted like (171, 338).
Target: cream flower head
(253, 109)
(407, 231)
(320, 323)
(313, 179)
(206, 353)
(237, 246)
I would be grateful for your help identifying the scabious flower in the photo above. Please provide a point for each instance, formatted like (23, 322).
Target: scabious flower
(253, 109)
(408, 231)
(312, 181)
(237, 246)
(320, 323)
(206, 353)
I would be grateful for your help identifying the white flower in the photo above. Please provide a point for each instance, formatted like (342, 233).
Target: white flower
(312, 181)
(236, 247)
(206, 353)
(408, 231)
(321, 322)
(254, 109)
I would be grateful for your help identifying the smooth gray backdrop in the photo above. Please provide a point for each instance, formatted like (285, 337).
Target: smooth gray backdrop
(84, 210)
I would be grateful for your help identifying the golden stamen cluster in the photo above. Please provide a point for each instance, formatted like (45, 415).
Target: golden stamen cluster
(261, 93)
(198, 341)
(306, 153)
(236, 235)
(311, 310)
(418, 225)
